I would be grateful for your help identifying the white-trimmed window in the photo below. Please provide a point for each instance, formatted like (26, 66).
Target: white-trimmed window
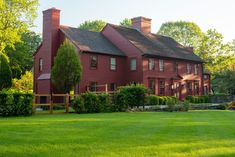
(161, 65)
(196, 69)
(113, 63)
(94, 62)
(189, 68)
(133, 64)
(151, 64)
(40, 64)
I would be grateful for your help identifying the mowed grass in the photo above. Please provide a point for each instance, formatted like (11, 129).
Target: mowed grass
(158, 134)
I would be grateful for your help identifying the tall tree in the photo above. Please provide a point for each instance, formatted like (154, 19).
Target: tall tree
(66, 72)
(126, 23)
(218, 55)
(186, 33)
(95, 26)
(5, 72)
(21, 58)
(16, 16)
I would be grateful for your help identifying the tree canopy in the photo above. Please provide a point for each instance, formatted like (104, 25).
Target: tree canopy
(25, 83)
(5, 72)
(95, 26)
(21, 58)
(16, 16)
(126, 23)
(186, 33)
(66, 72)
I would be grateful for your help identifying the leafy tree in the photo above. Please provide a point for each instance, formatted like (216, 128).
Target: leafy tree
(95, 26)
(126, 23)
(21, 58)
(16, 16)
(66, 72)
(218, 55)
(224, 82)
(25, 83)
(5, 72)
(186, 33)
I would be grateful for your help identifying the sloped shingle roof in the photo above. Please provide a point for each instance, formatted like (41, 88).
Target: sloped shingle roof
(152, 44)
(90, 41)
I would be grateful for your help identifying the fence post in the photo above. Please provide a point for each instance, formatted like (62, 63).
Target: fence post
(106, 88)
(67, 103)
(51, 105)
(34, 102)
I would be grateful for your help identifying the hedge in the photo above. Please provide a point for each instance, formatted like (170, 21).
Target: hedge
(92, 103)
(198, 99)
(152, 100)
(16, 104)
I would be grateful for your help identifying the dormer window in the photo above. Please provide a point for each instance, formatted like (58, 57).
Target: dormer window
(40, 64)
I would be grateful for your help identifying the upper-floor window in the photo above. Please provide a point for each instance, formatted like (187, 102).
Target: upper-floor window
(189, 68)
(205, 77)
(40, 64)
(133, 64)
(151, 64)
(113, 64)
(161, 65)
(94, 62)
(175, 66)
(196, 69)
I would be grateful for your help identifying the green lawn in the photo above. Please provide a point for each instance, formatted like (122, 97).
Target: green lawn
(191, 134)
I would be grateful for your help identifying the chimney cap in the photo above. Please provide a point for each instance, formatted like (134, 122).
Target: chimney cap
(141, 18)
(51, 9)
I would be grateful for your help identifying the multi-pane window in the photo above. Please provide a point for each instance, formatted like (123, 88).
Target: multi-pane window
(189, 88)
(196, 69)
(151, 64)
(205, 77)
(94, 62)
(40, 64)
(189, 68)
(133, 64)
(93, 86)
(161, 87)
(196, 87)
(113, 86)
(113, 64)
(152, 85)
(175, 66)
(161, 65)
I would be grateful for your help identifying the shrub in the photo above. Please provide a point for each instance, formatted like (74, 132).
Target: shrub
(198, 99)
(90, 101)
(104, 103)
(170, 103)
(16, 104)
(185, 105)
(78, 105)
(131, 95)
(231, 105)
(119, 102)
(152, 100)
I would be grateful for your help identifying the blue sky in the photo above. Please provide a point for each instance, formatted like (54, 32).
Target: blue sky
(218, 14)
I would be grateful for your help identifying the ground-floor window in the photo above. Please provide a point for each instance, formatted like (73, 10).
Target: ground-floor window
(43, 99)
(113, 86)
(189, 88)
(93, 86)
(205, 90)
(152, 86)
(196, 87)
(161, 87)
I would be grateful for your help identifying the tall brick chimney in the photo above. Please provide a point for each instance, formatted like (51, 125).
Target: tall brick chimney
(142, 24)
(51, 25)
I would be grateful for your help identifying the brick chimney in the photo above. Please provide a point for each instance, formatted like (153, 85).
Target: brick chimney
(51, 25)
(142, 24)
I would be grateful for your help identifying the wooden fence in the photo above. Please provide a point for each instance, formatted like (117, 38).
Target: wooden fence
(50, 103)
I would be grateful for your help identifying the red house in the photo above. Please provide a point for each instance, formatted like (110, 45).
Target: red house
(118, 56)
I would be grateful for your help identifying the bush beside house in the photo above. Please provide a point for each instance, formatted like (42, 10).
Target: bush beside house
(15, 103)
